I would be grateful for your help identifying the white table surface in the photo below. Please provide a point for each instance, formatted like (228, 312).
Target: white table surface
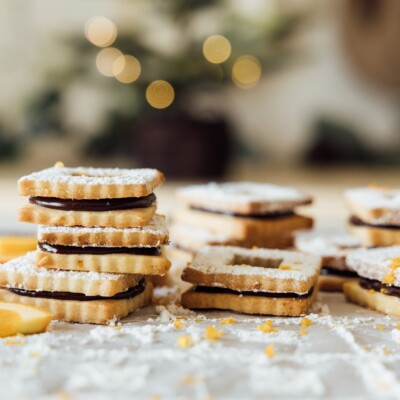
(348, 353)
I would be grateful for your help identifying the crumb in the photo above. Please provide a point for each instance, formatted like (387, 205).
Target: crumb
(269, 351)
(303, 332)
(228, 321)
(267, 327)
(210, 333)
(184, 341)
(178, 324)
(306, 322)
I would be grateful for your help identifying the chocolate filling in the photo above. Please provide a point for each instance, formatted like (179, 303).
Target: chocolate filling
(359, 222)
(59, 249)
(94, 205)
(218, 290)
(129, 294)
(336, 272)
(271, 215)
(379, 287)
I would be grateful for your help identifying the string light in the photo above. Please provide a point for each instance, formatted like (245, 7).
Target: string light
(106, 59)
(246, 72)
(100, 31)
(127, 69)
(160, 94)
(217, 49)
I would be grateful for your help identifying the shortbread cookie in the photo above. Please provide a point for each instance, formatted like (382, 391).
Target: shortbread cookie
(15, 246)
(21, 273)
(151, 235)
(261, 270)
(286, 304)
(131, 260)
(263, 231)
(243, 198)
(332, 247)
(372, 299)
(34, 214)
(72, 307)
(90, 183)
(375, 205)
(374, 235)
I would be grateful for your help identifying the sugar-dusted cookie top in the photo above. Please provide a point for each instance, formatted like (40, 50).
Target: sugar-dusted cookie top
(153, 234)
(382, 264)
(243, 197)
(90, 183)
(253, 269)
(375, 204)
(332, 247)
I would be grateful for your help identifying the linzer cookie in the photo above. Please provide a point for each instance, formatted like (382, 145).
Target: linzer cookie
(85, 297)
(334, 249)
(258, 281)
(243, 213)
(102, 197)
(379, 285)
(113, 250)
(375, 216)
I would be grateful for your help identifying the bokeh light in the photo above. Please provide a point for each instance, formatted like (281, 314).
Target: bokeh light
(160, 94)
(217, 49)
(100, 31)
(127, 69)
(246, 72)
(105, 60)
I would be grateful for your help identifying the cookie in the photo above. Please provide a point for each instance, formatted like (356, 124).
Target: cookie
(90, 183)
(373, 300)
(117, 198)
(21, 273)
(379, 285)
(372, 235)
(244, 198)
(268, 231)
(153, 234)
(255, 281)
(71, 307)
(333, 248)
(375, 205)
(35, 214)
(15, 246)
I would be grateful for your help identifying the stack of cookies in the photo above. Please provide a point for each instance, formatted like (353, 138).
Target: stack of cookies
(99, 240)
(333, 248)
(375, 218)
(252, 281)
(242, 214)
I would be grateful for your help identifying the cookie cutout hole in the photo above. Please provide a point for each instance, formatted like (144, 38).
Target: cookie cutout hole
(257, 261)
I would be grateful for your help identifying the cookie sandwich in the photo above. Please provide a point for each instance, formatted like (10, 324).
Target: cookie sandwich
(375, 218)
(333, 248)
(379, 285)
(252, 281)
(242, 214)
(110, 247)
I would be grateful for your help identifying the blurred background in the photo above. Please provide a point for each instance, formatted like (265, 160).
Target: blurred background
(298, 92)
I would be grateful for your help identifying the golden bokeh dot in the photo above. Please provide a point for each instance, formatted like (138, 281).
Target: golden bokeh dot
(216, 49)
(105, 61)
(127, 69)
(100, 31)
(160, 94)
(246, 72)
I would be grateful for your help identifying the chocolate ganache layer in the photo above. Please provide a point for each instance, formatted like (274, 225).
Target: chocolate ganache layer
(271, 215)
(94, 205)
(128, 294)
(379, 287)
(359, 222)
(59, 249)
(338, 272)
(218, 290)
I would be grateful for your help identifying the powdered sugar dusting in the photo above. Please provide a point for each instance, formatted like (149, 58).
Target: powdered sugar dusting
(226, 195)
(157, 226)
(26, 265)
(218, 259)
(93, 176)
(374, 263)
